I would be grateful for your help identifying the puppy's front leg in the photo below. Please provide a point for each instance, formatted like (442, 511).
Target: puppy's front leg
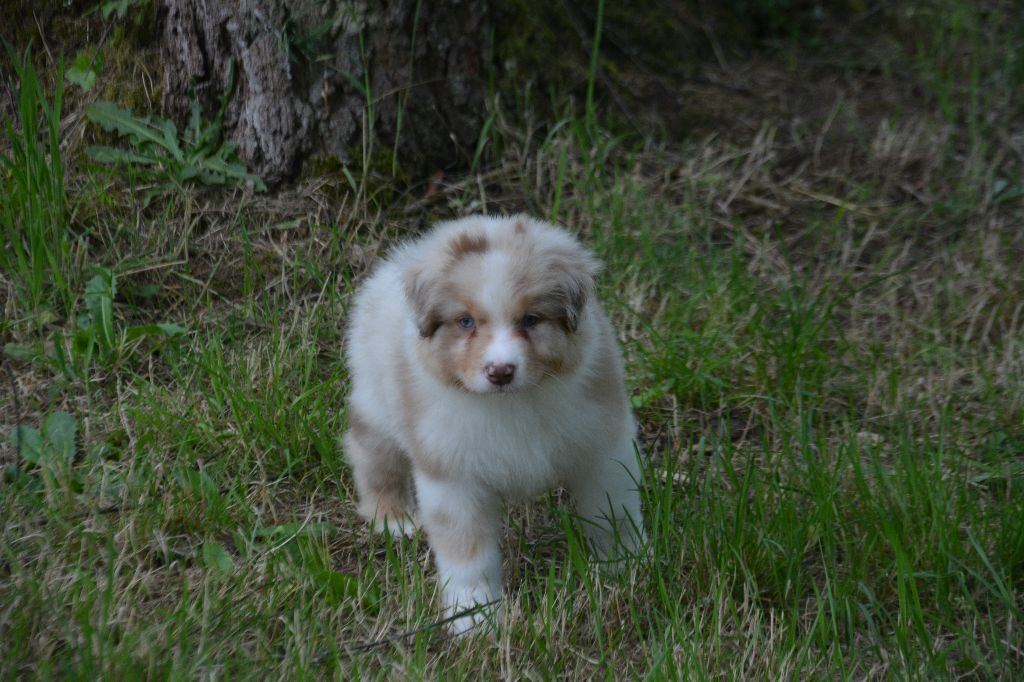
(462, 521)
(607, 497)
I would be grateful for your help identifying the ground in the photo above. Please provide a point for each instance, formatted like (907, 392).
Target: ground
(815, 274)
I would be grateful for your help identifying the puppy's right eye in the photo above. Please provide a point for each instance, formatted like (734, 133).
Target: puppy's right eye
(466, 322)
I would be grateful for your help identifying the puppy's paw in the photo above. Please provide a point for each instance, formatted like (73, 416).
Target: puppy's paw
(475, 623)
(387, 515)
(397, 526)
(471, 611)
(614, 551)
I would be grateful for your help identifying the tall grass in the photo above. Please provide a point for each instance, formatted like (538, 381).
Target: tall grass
(37, 249)
(595, 50)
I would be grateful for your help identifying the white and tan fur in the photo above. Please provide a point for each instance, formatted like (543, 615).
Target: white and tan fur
(483, 369)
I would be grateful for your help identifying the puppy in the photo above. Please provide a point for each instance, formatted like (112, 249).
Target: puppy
(483, 369)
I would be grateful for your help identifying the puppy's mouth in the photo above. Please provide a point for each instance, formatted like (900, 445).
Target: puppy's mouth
(493, 389)
(506, 389)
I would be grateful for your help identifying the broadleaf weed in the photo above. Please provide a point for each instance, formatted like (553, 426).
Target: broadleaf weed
(165, 159)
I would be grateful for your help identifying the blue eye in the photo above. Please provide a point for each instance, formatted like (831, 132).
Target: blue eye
(466, 322)
(529, 321)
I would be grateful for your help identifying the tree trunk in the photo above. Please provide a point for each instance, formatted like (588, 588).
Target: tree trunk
(341, 77)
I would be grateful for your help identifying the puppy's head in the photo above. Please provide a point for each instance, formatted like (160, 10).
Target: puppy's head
(500, 303)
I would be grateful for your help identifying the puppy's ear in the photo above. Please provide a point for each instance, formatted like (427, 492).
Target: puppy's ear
(421, 292)
(576, 270)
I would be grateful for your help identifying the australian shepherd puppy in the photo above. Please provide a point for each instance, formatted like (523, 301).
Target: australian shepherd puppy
(483, 369)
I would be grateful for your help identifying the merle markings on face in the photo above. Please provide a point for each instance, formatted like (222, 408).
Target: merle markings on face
(500, 314)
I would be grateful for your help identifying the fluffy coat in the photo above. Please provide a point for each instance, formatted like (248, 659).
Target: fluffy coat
(484, 369)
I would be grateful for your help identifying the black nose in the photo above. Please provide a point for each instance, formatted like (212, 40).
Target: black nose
(500, 374)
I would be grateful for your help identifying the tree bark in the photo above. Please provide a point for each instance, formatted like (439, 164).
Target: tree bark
(342, 77)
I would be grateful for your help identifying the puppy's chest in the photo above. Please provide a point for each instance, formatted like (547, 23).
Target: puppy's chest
(519, 447)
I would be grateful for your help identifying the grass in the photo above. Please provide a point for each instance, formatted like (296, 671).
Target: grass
(822, 321)
(40, 246)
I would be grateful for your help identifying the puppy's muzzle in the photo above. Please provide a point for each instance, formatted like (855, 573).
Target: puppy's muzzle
(500, 374)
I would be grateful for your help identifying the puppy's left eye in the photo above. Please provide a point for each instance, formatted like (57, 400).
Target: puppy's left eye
(466, 322)
(529, 321)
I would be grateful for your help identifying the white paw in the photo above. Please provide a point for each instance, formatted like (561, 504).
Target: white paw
(615, 549)
(402, 526)
(474, 610)
(474, 622)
